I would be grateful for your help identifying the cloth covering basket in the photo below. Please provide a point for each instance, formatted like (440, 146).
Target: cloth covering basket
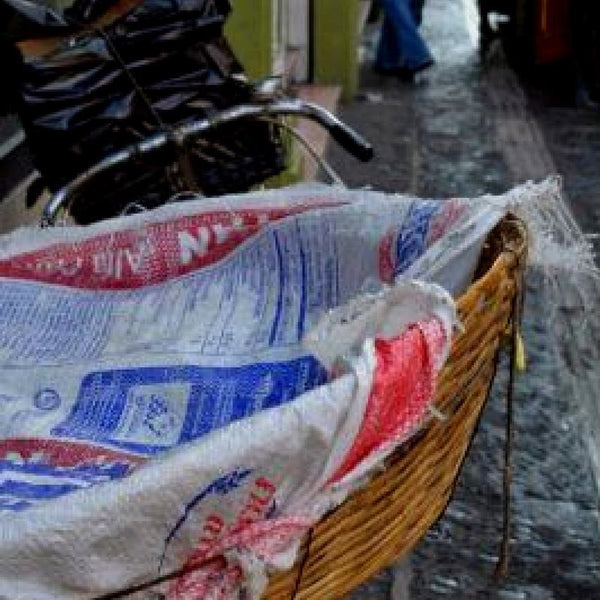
(382, 521)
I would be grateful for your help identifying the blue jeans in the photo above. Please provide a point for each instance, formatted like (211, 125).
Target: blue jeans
(400, 44)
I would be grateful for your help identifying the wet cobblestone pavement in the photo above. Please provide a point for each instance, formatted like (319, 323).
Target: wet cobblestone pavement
(467, 130)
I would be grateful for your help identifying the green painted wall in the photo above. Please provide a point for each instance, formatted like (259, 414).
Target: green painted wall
(249, 31)
(336, 44)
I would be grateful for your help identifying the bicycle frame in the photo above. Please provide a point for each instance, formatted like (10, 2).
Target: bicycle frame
(349, 139)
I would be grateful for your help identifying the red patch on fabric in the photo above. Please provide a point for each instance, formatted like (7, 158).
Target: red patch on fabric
(445, 219)
(63, 454)
(147, 255)
(211, 576)
(403, 387)
(386, 260)
(215, 580)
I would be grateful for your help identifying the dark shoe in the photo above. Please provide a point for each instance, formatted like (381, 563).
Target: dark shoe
(585, 99)
(385, 71)
(428, 63)
(405, 75)
(408, 75)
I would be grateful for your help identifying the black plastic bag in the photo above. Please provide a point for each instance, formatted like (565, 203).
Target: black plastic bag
(158, 64)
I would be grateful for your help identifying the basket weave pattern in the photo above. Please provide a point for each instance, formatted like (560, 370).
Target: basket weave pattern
(384, 520)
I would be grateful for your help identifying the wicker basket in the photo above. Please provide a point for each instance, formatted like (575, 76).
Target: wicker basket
(384, 520)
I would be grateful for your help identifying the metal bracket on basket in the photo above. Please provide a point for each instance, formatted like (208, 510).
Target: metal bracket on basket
(319, 160)
(349, 139)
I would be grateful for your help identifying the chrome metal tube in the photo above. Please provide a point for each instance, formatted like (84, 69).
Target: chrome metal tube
(344, 135)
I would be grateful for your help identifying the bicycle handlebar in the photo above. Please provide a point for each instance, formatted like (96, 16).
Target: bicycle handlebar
(344, 135)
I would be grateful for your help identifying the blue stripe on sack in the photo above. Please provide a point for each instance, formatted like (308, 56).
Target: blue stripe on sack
(411, 241)
(34, 491)
(85, 473)
(281, 291)
(13, 505)
(18, 495)
(302, 311)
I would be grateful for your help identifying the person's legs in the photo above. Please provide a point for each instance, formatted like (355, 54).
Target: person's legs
(486, 33)
(586, 51)
(413, 51)
(389, 57)
(416, 7)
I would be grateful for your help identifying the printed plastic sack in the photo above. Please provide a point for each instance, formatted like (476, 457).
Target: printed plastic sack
(197, 385)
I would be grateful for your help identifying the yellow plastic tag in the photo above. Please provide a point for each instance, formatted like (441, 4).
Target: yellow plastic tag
(520, 357)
